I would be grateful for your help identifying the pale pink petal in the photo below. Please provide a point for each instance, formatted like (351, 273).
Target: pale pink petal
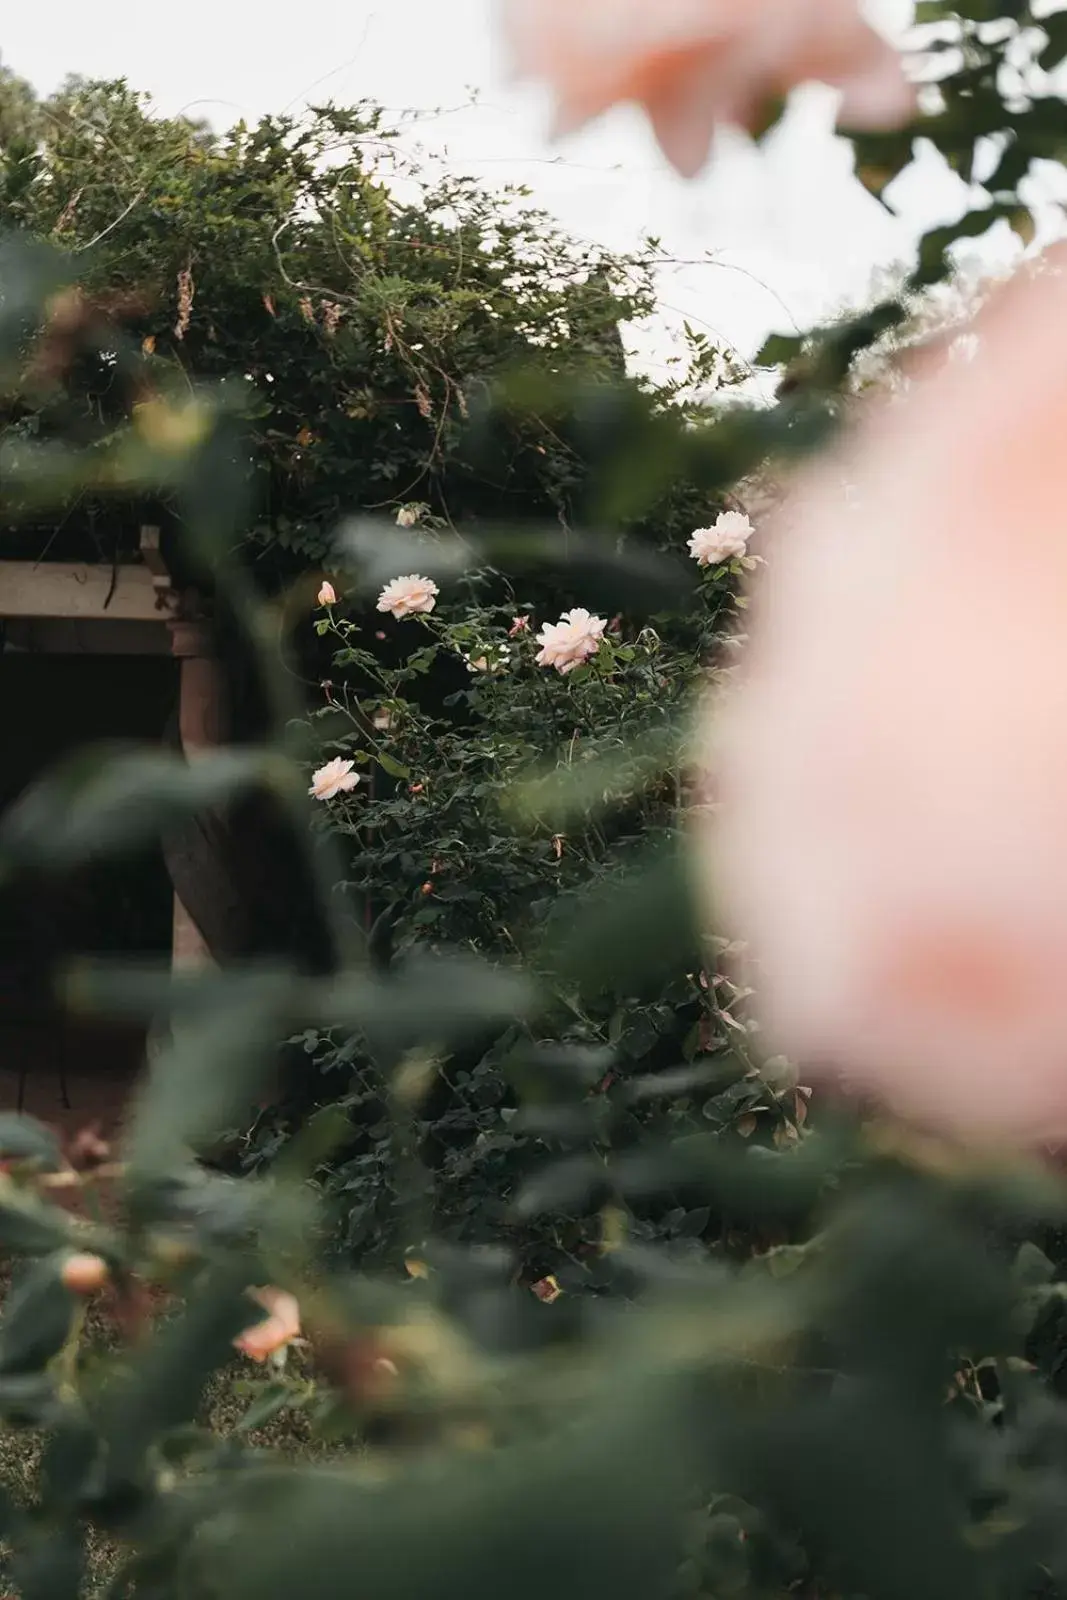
(571, 641)
(409, 596)
(697, 64)
(892, 769)
(336, 777)
(685, 131)
(277, 1330)
(876, 99)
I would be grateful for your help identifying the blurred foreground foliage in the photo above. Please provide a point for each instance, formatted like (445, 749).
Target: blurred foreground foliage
(616, 1313)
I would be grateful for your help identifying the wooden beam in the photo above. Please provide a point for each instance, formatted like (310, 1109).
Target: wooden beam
(79, 591)
(201, 722)
(67, 636)
(152, 554)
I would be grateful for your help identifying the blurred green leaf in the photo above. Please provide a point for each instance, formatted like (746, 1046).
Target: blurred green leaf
(546, 1073)
(30, 273)
(599, 1507)
(38, 1317)
(162, 1388)
(592, 944)
(268, 1405)
(28, 1400)
(109, 801)
(778, 349)
(1032, 1266)
(714, 1073)
(750, 1183)
(561, 794)
(868, 1478)
(25, 1139)
(428, 1001)
(395, 769)
(27, 1225)
(599, 566)
(579, 1184)
(207, 1075)
(51, 1566)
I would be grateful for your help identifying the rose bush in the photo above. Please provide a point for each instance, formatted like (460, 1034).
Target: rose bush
(557, 759)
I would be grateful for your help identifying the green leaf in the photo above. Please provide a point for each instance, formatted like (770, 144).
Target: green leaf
(389, 764)
(67, 1461)
(600, 1505)
(162, 1390)
(110, 801)
(207, 1075)
(716, 1072)
(752, 1183)
(27, 1225)
(215, 487)
(382, 551)
(154, 992)
(25, 1139)
(566, 1188)
(28, 1399)
(274, 1399)
(52, 1566)
(562, 794)
(632, 929)
(779, 349)
(30, 273)
(1032, 1267)
(38, 1318)
(545, 1074)
(427, 1001)
(11, 1516)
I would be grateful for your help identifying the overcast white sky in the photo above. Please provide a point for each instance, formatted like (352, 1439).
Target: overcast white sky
(791, 235)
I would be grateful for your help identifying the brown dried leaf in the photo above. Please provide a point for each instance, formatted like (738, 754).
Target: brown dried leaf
(186, 293)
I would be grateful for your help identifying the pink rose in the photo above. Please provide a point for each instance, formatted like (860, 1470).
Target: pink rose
(728, 538)
(892, 766)
(83, 1273)
(407, 597)
(336, 777)
(566, 644)
(696, 64)
(277, 1330)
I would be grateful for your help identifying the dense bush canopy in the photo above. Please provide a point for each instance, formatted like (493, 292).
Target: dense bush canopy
(362, 312)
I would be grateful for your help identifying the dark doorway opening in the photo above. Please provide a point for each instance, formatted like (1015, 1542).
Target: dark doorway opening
(51, 705)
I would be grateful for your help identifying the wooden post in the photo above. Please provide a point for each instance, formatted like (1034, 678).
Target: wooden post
(201, 719)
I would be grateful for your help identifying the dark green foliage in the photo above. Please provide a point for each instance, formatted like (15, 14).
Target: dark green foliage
(359, 334)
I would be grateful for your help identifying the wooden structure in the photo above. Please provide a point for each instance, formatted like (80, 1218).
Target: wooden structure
(128, 609)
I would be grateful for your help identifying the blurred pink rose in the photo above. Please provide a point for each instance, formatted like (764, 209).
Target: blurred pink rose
(277, 1330)
(406, 597)
(696, 64)
(573, 639)
(891, 770)
(327, 594)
